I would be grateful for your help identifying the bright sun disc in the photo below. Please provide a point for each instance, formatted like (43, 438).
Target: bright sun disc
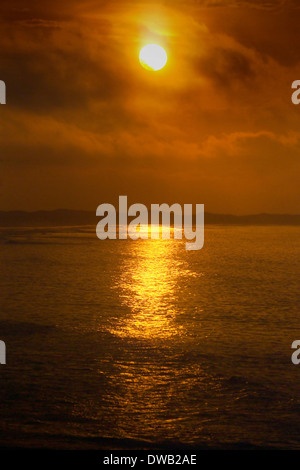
(153, 57)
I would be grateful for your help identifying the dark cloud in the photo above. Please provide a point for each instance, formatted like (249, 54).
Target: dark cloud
(260, 4)
(61, 80)
(225, 66)
(50, 67)
(48, 9)
(271, 34)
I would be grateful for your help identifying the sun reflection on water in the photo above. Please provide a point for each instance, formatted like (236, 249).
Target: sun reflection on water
(148, 286)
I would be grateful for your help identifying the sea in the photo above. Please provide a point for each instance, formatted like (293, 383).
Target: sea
(141, 344)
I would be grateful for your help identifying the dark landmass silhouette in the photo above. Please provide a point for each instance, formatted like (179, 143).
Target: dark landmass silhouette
(66, 217)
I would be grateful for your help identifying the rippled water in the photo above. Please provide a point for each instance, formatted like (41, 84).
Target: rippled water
(144, 341)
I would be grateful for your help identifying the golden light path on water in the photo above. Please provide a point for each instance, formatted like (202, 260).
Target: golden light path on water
(153, 381)
(148, 286)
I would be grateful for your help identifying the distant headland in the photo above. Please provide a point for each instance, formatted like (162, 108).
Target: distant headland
(67, 217)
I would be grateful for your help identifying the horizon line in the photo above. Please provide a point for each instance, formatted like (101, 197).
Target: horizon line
(36, 211)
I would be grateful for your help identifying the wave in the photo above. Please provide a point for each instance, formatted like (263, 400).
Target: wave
(15, 328)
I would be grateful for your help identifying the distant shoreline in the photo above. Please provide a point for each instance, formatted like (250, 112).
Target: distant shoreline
(66, 217)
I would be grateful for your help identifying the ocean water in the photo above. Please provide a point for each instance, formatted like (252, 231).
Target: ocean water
(142, 343)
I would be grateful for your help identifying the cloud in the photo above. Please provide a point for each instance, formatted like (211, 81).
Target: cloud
(84, 121)
(260, 4)
(50, 67)
(36, 11)
(225, 66)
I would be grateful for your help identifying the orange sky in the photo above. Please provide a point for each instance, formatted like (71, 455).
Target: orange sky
(85, 123)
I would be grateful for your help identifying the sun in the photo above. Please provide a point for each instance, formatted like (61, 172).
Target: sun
(153, 57)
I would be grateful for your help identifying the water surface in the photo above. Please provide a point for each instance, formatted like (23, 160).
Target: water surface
(145, 341)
